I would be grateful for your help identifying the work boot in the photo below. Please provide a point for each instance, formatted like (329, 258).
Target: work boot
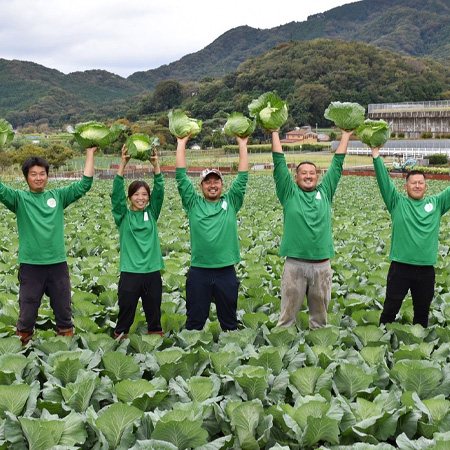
(64, 331)
(161, 333)
(25, 336)
(120, 336)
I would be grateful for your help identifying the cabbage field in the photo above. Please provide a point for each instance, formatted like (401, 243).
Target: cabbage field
(352, 385)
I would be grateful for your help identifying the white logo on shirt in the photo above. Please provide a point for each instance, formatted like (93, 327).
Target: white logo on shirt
(224, 205)
(429, 207)
(145, 216)
(51, 202)
(318, 196)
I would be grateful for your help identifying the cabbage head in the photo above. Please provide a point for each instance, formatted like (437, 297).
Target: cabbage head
(141, 146)
(269, 110)
(180, 125)
(238, 124)
(96, 134)
(346, 116)
(374, 133)
(6, 132)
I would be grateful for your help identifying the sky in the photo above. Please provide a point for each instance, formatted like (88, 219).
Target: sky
(127, 36)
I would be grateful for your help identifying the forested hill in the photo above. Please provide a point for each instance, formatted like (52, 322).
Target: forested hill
(309, 75)
(408, 27)
(248, 61)
(30, 92)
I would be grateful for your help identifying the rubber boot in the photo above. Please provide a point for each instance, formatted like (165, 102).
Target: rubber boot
(161, 333)
(25, 336)
(120, 336)
(64, 331)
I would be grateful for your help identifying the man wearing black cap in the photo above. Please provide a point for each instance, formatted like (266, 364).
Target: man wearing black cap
(214, 240)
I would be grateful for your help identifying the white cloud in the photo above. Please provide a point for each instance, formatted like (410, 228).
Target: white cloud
(124, 37)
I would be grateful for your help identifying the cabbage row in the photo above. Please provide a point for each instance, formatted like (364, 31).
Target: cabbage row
(351, 385)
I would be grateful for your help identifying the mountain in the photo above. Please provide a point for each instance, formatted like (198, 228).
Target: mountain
(31, 92)
(311, 74)
(418, 28)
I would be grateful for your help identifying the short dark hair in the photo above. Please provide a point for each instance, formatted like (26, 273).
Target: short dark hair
(136, 185)
(415, 172)
(34, 161)
(305, 162)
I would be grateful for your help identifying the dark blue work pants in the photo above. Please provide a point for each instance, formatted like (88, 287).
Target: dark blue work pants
(202, 285)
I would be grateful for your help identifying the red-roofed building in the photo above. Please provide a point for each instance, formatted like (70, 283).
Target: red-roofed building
(300, 135)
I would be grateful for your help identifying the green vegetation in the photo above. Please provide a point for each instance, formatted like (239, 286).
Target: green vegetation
(96, 134)
(374, 133)
(270, 111)
(6, 133)
(438, 159)
(141, 146)
(352, 384)
(238, 124)
(345, 115)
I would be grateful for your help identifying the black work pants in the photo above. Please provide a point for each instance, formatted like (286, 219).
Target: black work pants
(132, 286)
(202, 285)
(401, 278)
(35, 281)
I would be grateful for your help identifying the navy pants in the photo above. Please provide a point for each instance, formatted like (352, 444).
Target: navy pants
(37, 280)
(202, 285)
(132, 286)
(401, 278)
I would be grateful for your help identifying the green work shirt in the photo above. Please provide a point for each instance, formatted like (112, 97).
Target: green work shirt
(40, 220)
(307, 215)
(140, 251)
(213, 225)
(415, 223)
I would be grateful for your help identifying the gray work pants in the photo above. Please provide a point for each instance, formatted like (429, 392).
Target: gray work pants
(303, 278)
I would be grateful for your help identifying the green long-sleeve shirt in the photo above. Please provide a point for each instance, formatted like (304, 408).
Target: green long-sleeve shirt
(307, 215)
(140, 251)
(40, 220)
(213, 225)
(415, 223)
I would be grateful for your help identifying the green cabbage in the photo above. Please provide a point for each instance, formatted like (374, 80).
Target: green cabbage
(374, 133)
(180, 125)
(269, 110)
(96, 134)
(6, 132)
(141, 146)
(238, 124)
(346, 116)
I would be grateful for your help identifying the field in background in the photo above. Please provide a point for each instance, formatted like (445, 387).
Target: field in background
(213, 158)
(259, 387)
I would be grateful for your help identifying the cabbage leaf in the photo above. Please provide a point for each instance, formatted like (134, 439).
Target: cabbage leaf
(374, 133)
(6, 132)
(96, 134)
(180, 125)
(141, 146)
(269, 110)
(238, 124)
(346, 116)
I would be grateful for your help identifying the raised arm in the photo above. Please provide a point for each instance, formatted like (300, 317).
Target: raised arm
(154, 162)
(124, 161)
(276, 144)
(89, 166)
(243, 154)
(180, 159)
(387, 187)
(342, 148)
